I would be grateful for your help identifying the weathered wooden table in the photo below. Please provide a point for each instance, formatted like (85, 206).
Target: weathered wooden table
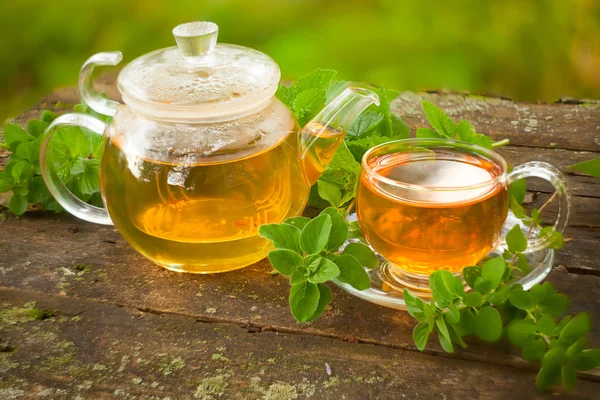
(124, 328)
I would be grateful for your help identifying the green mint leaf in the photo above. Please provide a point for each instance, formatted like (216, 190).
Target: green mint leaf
(14, 134)
(315, 234)
(325, 298)
(304, 300)
(37, 189)
(439, 120)
(466, 133)
(76, 143)
(563, 322)
(426, 133)
(285, 261)
(442, 328)
(515, 240)
(473, 299)
(576, 348)
(37, 127)
(546, 325)
(439, 289)
(520, 299)
(386, 96)
(312, 262)
(588, 360)
(21, 171)
(554, 240)
(445, 342)
(286, 94)
(488, 324)
(339, 229)
(421, 335)
(317, 79)
(307, 104)
(493, 270)
(569, 377)
(467, 322)
(471, 274)
(499, 296)
(283, 236)
(517, 209)
(481, 285)
(535, 350)
(523, 263)
(549, 289)
(300, 275)
(555, 304)
(400, 129)
(590, 167)
(89, 180)
(521, 332)
(27, 151)
(335, 89)
(359, 147)
(329, 192)
(342, 171)
(415, 306)
(363, 254)
(452, 315)
(577, 327)
(48, 116)
(6, 182)
(298, 222)
(364, 124)
(326, 271)
(17, 204)
(351, 272)
(517, 191)
(538, 293)
(548, 377)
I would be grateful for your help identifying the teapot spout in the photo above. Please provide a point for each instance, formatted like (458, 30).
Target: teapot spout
(321, 137)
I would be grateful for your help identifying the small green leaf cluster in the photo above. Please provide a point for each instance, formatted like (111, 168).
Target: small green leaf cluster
(494, 307)
(75, 153)
(376, 125)
(306, 97)
(307, 251)
(444, 127)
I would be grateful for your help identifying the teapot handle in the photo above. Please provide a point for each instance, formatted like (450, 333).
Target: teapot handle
(88, 94)
(59, 190)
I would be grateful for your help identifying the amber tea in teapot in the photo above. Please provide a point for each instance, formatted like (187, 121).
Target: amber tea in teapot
(202, 152)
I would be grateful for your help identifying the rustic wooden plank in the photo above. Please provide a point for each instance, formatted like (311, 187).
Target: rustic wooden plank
(564, 126)
(57, 254)
(101, 351)
(580, 185)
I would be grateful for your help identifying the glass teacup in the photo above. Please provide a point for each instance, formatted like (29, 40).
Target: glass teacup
(430, 204)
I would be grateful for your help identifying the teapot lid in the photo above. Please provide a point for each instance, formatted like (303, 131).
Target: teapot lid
(199, 79)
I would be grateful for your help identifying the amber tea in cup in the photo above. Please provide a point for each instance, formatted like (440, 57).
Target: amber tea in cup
(430, 204)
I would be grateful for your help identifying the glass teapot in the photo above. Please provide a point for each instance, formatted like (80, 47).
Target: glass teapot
(202, 152)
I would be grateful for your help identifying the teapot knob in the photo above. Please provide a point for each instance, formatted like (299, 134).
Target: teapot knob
(196, 39)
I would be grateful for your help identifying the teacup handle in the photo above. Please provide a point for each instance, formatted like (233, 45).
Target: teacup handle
(59, 190)
(538, 169)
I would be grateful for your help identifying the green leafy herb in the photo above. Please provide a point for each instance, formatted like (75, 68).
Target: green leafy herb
(495, 305)
(75, 153)
(308, 252)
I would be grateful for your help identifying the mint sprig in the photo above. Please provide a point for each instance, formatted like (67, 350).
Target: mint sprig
(307, 251)
(495, 307)
(75, 153)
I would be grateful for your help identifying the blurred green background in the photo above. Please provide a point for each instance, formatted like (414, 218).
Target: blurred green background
(534, 50)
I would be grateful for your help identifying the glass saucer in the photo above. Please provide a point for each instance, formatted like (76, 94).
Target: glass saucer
(386, 292)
